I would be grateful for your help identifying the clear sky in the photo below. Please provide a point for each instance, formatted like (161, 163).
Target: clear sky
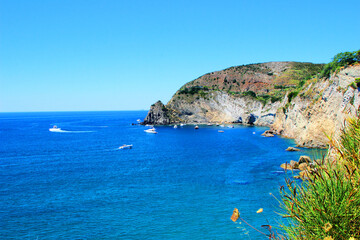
(70, 55)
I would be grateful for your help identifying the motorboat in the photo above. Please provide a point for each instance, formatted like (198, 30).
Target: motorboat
(151, 130)
(138, 120)
(125, 146)
(55, 129)
(220, 131)
(209, 124)
(175, 126)
(182, 124)
(196, 127)
(230, 126)
(222, 125)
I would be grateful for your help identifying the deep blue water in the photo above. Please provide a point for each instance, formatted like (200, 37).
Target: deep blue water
(178, 184)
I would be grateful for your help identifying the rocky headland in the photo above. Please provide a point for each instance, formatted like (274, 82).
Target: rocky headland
(288, 97)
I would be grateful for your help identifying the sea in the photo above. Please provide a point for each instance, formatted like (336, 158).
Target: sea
(180, 183)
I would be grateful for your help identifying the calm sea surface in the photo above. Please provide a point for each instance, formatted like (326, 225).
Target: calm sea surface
(177, 184)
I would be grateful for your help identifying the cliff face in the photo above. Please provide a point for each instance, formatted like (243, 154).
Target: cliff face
(219, 106)
(320, 109)
(249, 94)
(283, 95)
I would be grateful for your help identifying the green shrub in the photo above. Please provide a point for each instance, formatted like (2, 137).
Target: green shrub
(249, 93)
(352, 100)
(292, 95)
(280, 87)
(328, 204)
(353, 85)
(263, 98)
(357, 81)
(275, 99)
(340, 60)
(301, 83)
(193, 90)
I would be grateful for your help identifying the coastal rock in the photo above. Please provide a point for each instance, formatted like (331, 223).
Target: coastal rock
(319, 109)
(294, 164)
(241, 94)
(292, 149)
(269, 132)
(303, 166)
(304, 159)
(267, 135)
(286, 166)
(264, 95)
(159, 114)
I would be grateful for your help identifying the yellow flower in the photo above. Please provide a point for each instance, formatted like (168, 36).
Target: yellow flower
(260, 210)
(352, 238)
(327, 227)
(328, 238)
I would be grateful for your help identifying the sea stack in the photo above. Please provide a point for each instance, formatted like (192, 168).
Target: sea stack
(159, 114)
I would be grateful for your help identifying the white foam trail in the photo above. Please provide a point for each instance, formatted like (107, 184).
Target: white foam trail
(66, 131)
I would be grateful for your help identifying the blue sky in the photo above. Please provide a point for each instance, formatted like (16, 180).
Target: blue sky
(74, 55)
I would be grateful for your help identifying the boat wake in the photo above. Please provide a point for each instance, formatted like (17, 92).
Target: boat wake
(59, 130)
(66, 131)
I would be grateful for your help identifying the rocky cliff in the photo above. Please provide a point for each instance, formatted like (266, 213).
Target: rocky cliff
(287, 96)
(319, 110)
(249, 94)
(161, 115)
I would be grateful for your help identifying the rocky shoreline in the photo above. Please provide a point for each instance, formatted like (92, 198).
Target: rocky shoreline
(308, 115)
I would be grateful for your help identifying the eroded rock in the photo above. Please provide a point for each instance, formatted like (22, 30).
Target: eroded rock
(292, 149)
(159, 114)
(304, 159)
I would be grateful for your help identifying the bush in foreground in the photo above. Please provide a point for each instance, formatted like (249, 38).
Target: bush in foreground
(328, 205)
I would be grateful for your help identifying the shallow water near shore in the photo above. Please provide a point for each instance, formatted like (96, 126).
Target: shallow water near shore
(178, 184)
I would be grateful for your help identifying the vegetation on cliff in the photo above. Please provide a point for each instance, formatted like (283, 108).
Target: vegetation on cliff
(271, 93)
(340, 60)
(263, 81)
(266, 81)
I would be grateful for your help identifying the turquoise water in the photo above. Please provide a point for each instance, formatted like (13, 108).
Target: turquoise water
(178, 184)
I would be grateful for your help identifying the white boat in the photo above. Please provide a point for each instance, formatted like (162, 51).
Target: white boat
(125, 146)
(151, 130)
(175, 126)
(230, 126)
(138, 120)
(196, 127)
(222, 125)
(55, 129)
(182, 124)
(209, 124)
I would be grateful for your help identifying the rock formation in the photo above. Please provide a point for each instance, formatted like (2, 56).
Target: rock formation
(286, 96)
(160, 114)
(319, 111)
